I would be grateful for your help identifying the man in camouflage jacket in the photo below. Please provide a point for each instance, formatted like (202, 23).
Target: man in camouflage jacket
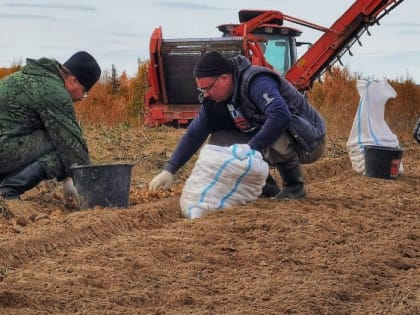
(40, 137)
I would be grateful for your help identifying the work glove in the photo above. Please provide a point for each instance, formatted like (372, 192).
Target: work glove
(163, 179)
(71, 197)
(416, 131)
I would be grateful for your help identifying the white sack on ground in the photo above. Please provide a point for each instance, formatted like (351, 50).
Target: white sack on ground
(369, 125)
(223, 177)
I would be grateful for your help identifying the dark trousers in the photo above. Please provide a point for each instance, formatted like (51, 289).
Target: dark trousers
(16, 152)
(281, 151)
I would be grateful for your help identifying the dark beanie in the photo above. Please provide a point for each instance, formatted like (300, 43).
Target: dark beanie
(212, 64)
(85, 68)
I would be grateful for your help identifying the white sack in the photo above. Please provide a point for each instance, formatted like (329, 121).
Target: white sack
(223, 177)
(369, 125)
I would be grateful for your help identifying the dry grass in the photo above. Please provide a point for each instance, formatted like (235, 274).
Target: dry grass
(120, 101)
(336, 98)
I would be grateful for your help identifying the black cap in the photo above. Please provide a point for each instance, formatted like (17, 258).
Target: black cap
(85, 68)
(212, 64)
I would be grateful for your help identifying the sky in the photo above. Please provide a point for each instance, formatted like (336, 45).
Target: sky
(118, 32)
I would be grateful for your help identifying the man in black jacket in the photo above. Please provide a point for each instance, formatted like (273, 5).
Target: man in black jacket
(242, 103)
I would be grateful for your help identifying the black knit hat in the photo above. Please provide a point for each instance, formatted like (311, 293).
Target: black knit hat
(212, 64)
(85, 68)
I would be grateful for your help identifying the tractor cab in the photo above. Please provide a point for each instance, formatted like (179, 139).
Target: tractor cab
(277, 42)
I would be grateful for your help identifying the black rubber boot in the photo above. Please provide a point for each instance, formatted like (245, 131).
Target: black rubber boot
(293, 186)
(16, 184)
(270, 188)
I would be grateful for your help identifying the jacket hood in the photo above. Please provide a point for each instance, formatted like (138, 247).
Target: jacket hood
(42, 67)
(240, 64)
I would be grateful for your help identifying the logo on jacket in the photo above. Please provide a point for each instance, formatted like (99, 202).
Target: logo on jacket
(239, 120)
(267, 99)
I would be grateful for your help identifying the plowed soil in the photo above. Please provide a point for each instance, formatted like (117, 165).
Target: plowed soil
(352, 247)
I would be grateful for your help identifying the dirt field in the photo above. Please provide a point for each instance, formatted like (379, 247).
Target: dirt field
(352, 247)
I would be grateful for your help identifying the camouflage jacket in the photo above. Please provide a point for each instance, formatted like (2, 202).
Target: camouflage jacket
(36, 98)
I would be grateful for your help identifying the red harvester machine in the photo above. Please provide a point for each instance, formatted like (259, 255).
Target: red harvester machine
(172, 97)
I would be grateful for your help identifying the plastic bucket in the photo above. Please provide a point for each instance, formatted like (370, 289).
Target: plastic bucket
(382, 162)
(106, 185)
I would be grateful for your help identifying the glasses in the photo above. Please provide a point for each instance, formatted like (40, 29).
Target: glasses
(208, 88)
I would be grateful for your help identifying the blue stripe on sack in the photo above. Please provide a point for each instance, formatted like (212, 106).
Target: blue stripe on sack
(216, 178)
(213, 183)
(238, 181)
(250, 156)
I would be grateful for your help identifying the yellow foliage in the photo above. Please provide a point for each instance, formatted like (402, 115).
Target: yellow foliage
(7, 71)
(107, 107)
(336, 98)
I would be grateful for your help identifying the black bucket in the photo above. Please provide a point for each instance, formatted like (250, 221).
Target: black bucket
(106, 185)
(382, 162)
